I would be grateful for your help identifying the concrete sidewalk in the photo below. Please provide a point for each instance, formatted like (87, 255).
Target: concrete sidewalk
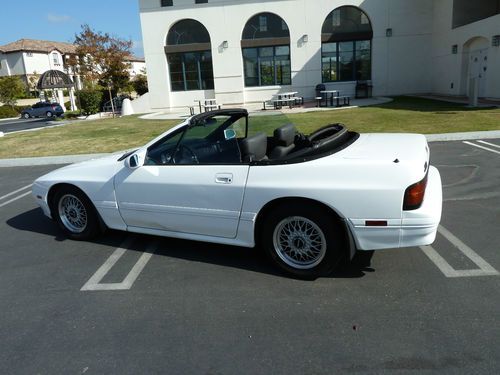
(70, 159)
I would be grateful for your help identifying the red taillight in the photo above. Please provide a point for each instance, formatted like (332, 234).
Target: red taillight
(414, 195)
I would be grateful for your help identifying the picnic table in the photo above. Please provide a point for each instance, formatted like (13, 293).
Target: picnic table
(333, 95)
(207, 104)
(285, 98)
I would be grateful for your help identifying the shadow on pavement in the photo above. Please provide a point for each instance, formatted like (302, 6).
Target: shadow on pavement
(223, 255)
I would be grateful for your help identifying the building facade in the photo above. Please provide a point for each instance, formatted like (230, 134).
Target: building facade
(29, 58)
(245, 51)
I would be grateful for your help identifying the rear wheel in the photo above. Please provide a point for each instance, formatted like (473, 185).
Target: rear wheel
(304, 241)
(75, 214)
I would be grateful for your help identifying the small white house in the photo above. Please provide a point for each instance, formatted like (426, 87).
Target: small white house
(239, 51)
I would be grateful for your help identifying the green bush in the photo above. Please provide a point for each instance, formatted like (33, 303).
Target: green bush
(7, 111)
(140, 84)
(90, 101)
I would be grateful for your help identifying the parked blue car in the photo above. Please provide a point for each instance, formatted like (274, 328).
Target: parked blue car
(43, 109)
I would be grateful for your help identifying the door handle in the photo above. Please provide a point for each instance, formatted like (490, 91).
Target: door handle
(224, 178)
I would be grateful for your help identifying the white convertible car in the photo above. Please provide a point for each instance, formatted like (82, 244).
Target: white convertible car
(307, 200)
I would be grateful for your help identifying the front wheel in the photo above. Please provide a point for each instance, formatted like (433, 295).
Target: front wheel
(75, 214)
(303, 241)
(26, 115)
(49, 114)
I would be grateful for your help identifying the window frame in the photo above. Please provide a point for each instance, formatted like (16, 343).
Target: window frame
(354, 76)
(274, 59)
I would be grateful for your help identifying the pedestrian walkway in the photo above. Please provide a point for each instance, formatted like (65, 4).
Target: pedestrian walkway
(255, 109)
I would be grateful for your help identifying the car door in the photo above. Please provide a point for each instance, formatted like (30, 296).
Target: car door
(180, 194)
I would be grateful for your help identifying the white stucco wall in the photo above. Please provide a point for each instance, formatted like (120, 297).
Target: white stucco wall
(416, 59)
(451, 69)
(12, 64)
(41, 62)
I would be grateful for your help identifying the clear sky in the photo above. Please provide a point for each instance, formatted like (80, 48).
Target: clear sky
(60, 20)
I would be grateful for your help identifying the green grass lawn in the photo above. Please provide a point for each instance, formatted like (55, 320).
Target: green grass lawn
(404, 114)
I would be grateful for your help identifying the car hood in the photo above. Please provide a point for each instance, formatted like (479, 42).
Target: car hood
(100, 169)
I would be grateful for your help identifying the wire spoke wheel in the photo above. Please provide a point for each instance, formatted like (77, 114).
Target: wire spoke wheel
(299, 242)
(72, 213)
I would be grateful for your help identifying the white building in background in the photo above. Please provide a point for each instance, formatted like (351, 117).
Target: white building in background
(29, 58)
(240, 51)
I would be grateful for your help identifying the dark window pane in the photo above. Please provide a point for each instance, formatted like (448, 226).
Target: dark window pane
(251, 66)
(266, 72)
(207, 74)
(363, 60)
(266, 52)
(191, 71)
(346, 61)
(265, 25)
(167, 3)
(187, 32)
(347, 22)
(283, 51)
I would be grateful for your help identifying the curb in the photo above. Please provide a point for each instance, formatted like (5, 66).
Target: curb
(70, 159)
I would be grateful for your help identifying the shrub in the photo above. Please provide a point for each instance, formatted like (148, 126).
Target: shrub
(7, 111)
(90, 101)
(140, 84)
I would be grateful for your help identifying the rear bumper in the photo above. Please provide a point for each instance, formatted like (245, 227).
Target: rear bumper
(416, 227)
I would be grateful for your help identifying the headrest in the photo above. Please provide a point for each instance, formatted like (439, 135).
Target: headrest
(285, 135)
(254, 148)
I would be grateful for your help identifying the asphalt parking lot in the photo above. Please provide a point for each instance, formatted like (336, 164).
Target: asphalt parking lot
(10, 126)
(132, 304)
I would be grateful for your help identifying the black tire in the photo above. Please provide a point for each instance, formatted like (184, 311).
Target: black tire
(322, 227)
(49, 114)
(68, 205)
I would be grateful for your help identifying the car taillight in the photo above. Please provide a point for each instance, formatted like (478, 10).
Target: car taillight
(414, 195)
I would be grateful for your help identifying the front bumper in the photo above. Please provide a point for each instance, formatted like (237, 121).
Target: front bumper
(40, 192)
(416, 227)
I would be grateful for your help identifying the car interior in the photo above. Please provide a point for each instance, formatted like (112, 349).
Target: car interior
(204, 145)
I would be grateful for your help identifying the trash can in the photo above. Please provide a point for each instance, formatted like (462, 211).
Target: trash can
(320, 87)
(364, 89)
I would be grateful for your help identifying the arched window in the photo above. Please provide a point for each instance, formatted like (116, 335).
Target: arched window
(189, 56)
(346, 39)
(265, 46)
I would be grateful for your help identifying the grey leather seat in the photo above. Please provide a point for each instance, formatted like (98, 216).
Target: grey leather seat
(284, 138)
(254, 148)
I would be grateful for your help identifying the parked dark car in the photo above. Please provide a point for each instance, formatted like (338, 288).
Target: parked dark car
(43, 109)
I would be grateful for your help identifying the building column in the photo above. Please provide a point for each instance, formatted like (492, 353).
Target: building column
(60, 99)
(72, 99)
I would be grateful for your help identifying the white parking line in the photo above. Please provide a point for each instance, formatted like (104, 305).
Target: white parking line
(16, 191)
(489, 144)
(94, 282)
(485, 269)
(14, 199)
(481, 147)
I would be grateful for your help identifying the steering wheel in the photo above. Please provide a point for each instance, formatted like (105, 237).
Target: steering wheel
(183, 149)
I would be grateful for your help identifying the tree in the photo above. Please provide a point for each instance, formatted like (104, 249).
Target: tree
(11, 88)
(140, 84)
(100, 59)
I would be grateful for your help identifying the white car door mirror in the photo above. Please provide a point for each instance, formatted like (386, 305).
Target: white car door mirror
(132, 162)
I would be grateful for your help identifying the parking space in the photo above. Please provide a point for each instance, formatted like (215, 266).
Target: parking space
(133, 304)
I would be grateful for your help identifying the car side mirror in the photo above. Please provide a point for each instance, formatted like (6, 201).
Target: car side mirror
(132, 162)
